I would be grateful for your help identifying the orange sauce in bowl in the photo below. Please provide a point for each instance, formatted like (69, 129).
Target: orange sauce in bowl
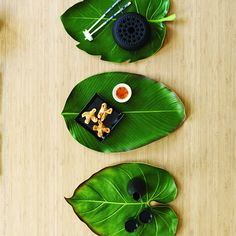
(122, 93)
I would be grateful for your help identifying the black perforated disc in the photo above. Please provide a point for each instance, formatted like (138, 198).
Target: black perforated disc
(131, 31)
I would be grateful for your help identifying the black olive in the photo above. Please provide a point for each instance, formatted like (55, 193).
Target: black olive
(131, 225)
(146, 216)
(131, 31)
(137, 188)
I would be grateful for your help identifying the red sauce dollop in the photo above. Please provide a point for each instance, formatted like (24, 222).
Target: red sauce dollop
(122, 93)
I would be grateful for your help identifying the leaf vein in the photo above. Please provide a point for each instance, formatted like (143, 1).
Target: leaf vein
(116, 189)
(126, 173)
(157, 228)
(156, 10)
(164, 189)
(95, 9)
(145, 179)
(148, 9)
(157, 186)
(114, 213)
(86, 212)
(166, 223)
(136, 6)
(97, 192)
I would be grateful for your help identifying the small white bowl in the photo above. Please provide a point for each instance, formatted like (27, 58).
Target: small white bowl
(119, 86)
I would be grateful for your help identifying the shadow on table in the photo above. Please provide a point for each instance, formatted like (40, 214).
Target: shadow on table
(178, 210)
(171, 33)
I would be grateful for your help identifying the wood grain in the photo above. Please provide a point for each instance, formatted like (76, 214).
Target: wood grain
(40, 163)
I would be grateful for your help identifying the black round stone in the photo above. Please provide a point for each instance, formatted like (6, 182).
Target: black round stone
(146, 216)
(131, 31)
(137, 196)
(137, 188)
(131, 225)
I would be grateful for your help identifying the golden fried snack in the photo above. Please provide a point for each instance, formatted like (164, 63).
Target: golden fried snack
(90, 115)
(101, 128)
(102, 114)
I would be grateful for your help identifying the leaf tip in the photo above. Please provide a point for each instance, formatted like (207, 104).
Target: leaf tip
(68, 200)
(62, 17)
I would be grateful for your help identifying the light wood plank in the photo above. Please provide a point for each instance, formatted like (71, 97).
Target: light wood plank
(40, 163)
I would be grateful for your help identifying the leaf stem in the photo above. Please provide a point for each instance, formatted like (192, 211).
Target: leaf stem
(154, 204)
(168, 18)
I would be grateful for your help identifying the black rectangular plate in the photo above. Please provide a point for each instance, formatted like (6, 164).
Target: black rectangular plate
(110, 122)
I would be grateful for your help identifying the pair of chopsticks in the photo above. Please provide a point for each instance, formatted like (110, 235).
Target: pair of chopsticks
(89, 35)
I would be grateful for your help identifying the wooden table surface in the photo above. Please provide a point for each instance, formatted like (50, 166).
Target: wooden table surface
(40, 162)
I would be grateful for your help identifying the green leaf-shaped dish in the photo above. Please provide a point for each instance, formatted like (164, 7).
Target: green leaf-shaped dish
(153, 111)
(84, 14)
(104, 204)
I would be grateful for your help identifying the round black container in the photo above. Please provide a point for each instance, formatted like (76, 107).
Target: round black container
(131, 31)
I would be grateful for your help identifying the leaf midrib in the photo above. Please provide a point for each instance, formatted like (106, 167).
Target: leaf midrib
(113, 203)
(168, 18)
(129, 112)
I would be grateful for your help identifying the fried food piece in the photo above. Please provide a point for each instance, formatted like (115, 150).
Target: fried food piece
(101, 128)
(90, 116)
(104, 112)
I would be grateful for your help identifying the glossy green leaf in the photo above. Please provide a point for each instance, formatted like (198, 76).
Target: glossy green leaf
(104, 204)
(153, 111)
(84, 14)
